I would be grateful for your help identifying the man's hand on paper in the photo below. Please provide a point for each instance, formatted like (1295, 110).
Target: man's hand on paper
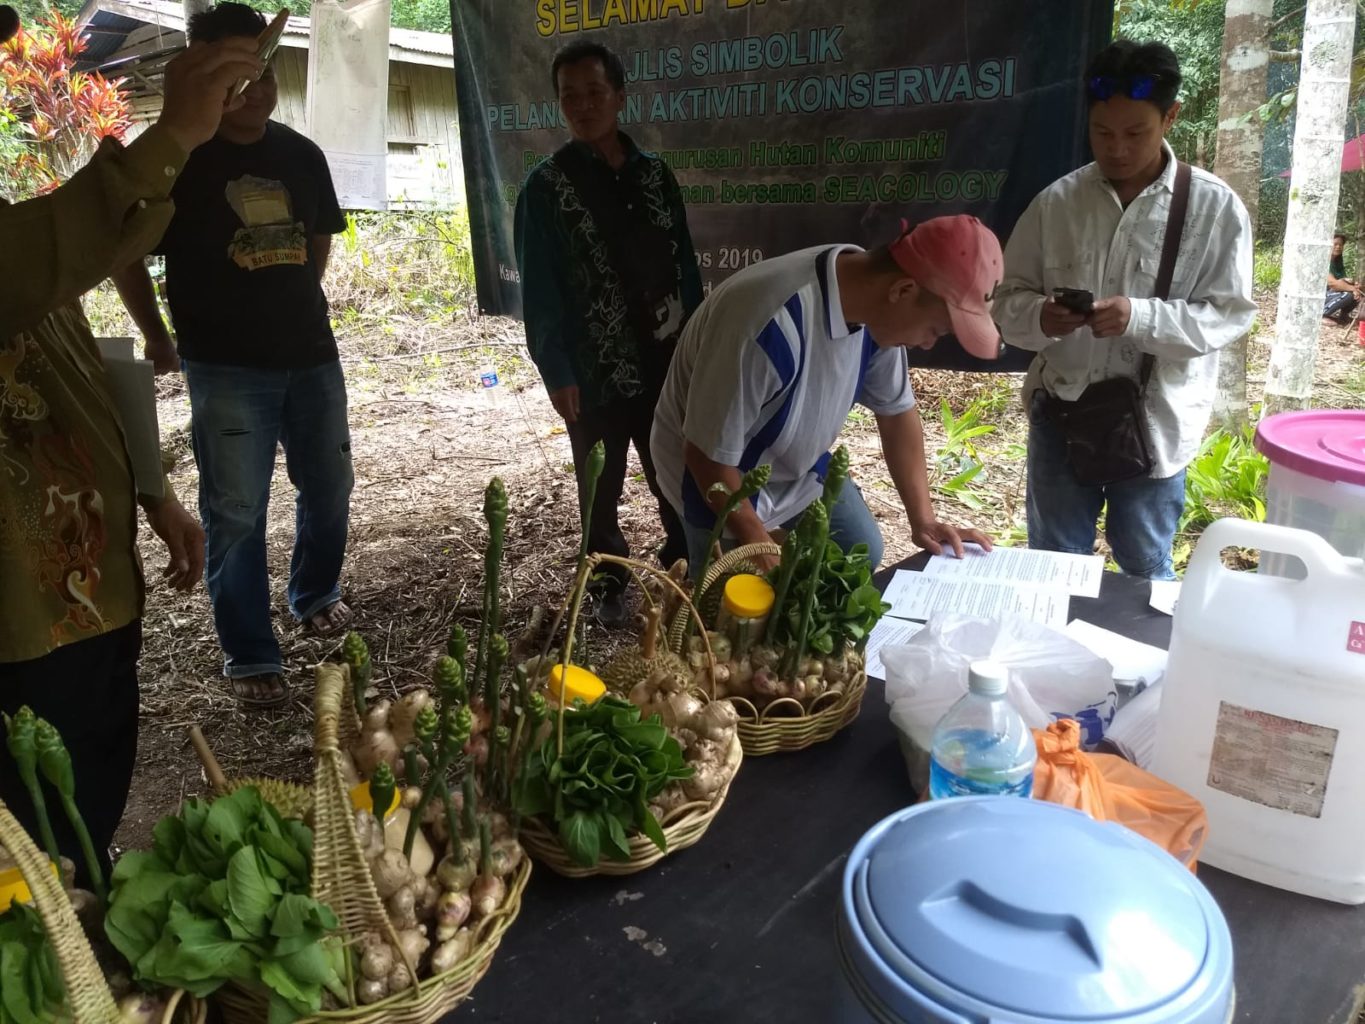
(933, 536)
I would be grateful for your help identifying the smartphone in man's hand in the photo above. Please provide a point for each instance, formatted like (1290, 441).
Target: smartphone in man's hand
(1078, 300)
(266, 45)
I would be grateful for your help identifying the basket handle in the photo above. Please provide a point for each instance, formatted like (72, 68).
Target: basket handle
(87, 993)
(726, 563)
(341, 877)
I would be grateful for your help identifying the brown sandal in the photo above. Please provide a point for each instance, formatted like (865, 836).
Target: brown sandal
(334, 618)
(248, 695)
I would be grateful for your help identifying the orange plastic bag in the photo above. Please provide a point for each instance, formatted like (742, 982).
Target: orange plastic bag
(1108, 788)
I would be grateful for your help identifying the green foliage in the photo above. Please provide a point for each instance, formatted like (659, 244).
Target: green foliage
(1194, 30)
(1268, 267)
(1226, 478)
(31, 987)
(33, 11)
(598, 791)
(847, 603)
(223, 895)
(957, 461)
(417, 263)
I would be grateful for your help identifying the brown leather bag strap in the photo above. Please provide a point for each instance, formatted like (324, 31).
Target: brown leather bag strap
(1170, 249)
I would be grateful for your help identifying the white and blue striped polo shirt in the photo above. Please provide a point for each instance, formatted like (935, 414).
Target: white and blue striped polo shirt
(766, 372)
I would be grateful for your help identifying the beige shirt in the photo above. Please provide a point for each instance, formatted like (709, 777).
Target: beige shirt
(1076, 234)
(69, 568)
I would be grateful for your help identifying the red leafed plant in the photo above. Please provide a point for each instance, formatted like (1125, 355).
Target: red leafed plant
(52, 117)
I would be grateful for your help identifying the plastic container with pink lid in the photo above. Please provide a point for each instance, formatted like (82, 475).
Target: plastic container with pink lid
(1317, 479)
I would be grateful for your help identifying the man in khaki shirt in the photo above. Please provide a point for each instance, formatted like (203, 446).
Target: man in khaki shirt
(71, 584)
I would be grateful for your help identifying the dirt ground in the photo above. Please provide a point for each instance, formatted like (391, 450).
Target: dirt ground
(426, 440)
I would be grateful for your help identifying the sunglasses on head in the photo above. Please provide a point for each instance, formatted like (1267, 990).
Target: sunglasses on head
(1135, 87)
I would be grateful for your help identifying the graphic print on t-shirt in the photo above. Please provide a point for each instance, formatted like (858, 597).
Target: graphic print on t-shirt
(271, 236)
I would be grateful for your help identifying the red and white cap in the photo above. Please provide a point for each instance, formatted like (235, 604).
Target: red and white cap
(959, 260)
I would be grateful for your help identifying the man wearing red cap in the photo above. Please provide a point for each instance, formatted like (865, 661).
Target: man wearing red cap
(770, 365)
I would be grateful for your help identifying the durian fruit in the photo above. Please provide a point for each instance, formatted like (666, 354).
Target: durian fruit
(290, 799)
(664, 671)
(648, 669)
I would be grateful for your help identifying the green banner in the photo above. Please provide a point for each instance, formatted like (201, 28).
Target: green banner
(787, 122)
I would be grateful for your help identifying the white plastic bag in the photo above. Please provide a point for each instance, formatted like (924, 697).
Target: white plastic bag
(1051, 677)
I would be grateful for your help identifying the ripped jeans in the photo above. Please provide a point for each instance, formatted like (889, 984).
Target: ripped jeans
(240, 415)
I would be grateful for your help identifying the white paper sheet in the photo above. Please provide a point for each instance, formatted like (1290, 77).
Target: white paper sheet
(913, 595)
(1076, 574)
(887, 632)
(1165, 595)
(348, 97)
(1136, 665)
(132, 386)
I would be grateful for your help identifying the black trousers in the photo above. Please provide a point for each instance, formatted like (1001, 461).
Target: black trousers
(624, 422)
(88, 691)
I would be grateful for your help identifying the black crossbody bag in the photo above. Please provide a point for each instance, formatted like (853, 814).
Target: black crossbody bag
(1106, 427)
(641, 253)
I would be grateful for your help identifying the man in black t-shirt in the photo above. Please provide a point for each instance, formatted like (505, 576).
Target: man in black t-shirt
(245, 254)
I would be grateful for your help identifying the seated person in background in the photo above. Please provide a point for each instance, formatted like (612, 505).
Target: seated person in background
(1343, 294)
(770, 365)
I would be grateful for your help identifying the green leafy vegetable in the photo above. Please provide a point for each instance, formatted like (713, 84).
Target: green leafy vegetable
(31, 989)
(598, 791)
(223, 896)
(847, 603)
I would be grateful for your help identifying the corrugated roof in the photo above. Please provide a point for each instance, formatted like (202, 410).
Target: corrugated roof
(132, 29)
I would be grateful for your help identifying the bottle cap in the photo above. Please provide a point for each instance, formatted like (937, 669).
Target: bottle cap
(988, 678)
(579, 683)
(748, 596)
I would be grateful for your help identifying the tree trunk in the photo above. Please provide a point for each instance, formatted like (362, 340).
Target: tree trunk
(1314, 187)
(1237, 160)
(193, 7)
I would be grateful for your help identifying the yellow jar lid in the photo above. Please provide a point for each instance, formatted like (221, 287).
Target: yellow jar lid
(581, 684)
(13, 887)
(748, 596)
(360, 799)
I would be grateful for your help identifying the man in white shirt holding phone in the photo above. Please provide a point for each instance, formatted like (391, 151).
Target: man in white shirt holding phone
(1101, 229)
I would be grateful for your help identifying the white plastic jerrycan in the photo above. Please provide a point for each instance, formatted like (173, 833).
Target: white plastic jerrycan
(1263, 714)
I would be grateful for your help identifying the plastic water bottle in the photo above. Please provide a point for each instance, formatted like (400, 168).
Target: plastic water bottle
(982, 746)
(490, 385)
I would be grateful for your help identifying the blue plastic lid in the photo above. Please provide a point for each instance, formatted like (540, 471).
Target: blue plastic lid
(1019, 909)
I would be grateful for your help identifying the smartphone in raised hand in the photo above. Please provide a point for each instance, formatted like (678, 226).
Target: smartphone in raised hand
(1078, 300)
(266, 45)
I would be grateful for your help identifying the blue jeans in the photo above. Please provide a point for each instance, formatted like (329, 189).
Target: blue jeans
(850, 523)
(240, 415)
(1062, 513)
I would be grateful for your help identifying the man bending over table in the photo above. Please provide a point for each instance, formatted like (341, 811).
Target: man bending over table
(770, 365)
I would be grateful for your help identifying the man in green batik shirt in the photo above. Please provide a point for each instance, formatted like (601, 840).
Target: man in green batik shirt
(71, 583)
(608, 278)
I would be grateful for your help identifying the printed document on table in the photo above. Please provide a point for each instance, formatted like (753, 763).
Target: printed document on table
(887, 632)
(913, 595)
(1076, 574)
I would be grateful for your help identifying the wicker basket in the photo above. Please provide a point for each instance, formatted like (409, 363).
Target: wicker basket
(341, 879)
(683, 827)
(87, 993)
(786, 724)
